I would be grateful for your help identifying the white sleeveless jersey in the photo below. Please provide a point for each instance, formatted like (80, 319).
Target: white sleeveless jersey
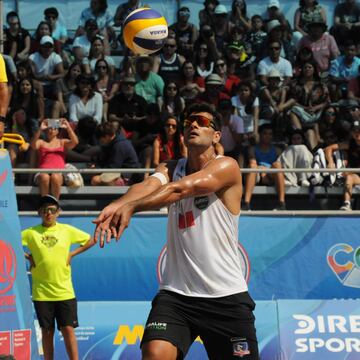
(203, 258)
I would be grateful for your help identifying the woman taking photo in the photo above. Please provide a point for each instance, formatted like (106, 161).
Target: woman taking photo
(85, 101)
(169, 145)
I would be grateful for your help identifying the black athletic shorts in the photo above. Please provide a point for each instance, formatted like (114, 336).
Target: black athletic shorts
(65, 313)
(225, 325)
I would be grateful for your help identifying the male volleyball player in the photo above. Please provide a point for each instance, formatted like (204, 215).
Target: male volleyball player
(4, 95)
(203, 292)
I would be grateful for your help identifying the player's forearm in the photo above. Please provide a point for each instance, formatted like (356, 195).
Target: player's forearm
(4, 99)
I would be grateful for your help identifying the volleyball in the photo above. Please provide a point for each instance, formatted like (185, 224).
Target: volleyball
(145, 31)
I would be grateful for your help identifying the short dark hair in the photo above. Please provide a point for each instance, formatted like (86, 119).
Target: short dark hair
(256, 16)
(51, 11)
(11, 14)
(204, 107)
(105, 129)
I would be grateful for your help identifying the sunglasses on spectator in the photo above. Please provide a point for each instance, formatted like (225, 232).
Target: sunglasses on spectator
(101, 67)
(53, 210)
(332, 113)
(201, 120)
(220, 64)
(171, 126)
(47, 46)
(275, 48)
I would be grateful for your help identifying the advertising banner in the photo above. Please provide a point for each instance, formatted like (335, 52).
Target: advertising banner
(17, 334)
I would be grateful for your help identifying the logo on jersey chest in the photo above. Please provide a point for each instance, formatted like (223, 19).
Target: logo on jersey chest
(201, 202)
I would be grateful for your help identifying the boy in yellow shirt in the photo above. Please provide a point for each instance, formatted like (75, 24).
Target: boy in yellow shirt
(52, 290)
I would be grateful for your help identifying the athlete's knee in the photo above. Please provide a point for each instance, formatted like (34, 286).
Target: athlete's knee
(158, 350)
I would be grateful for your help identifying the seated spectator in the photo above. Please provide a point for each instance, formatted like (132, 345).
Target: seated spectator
(105, 85)
(169, 145)
(65, 87)
(307, 12)
(343, 69)
(128, 64)
(310, 98)
(274, 13)
(347, 22)
(273, 102)
(353, 149)
(230, 82)
(148, 84)
(24, 70)
(206, 15)
(246, 106)
(17, 43)
(328, 121)
(59, 31)
(168, 64)
(304, 54)
(98, 12)
(296, 156)
(213, 91)
(348, 113)
(116, 152)
(222, 27)
(274, 61)
(321, 43)
(26, 98)
(264, 156)
(186, 33)
(238, 15)
(85, 101)
(257, 36)
(83, 42)
(47, 66)
(237, 33)
(97, 52)
(51, 154)
(43, 29)
(127, 108)
(171, 102)
(204, 61)
(232, 130)
(354, 88)
(190, 85)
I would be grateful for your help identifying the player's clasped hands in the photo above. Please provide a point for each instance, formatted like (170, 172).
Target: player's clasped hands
(112, 222)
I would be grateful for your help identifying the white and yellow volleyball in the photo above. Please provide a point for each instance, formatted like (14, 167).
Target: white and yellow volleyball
(145, 31)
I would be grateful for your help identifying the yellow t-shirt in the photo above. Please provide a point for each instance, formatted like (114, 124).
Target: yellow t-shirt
(50, 247)
(3, 76)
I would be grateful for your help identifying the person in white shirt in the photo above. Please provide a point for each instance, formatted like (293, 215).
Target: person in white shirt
(203, 291)
(274, 61)
(85, 101)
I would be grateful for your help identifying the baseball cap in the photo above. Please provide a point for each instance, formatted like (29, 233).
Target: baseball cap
(274, 3)
(274, 73)
(46, 39)
(48, 199)
(128, 80)
(236, 45)
(271, 25)
(213, 79)
(355, 126)
(220, 9)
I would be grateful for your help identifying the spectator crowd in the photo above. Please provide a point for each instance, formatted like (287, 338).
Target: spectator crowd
(288, 94)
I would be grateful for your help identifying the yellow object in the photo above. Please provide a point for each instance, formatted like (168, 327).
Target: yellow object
(15, 139)
(50, 248)
(3, 76)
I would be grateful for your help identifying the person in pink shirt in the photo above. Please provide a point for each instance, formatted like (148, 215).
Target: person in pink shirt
(322, 44)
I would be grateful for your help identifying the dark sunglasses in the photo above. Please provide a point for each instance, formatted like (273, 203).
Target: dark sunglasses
(220, 64)
(330, 113)
(47, 46)
(51, 209)
(101, 67)
(201, 120)
(274, 48)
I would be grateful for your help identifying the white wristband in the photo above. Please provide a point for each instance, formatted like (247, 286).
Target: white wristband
(161, 177)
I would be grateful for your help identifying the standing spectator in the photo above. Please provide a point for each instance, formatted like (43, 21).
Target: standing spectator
(274, 13)
(257, 36)
(274, 61)
(168, 64)
(105, 85)
(17, 43)
(238, 14)
(190, 86)
(169, 145)
(85, 101)
(353, 149)
(171, 102)
(43, 29)
(186, 33)
(47, 66)
(148, 84)
(127, 108)
(347, 22)
(206, 15)
(50, 258)
(321, 43)
(51, 154)
(343, 69)
(116, 152)
(59, 31)
(264, 156)
(307, 12)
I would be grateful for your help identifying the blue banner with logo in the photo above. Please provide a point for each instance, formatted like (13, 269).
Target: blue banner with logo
(17, 335)
(282, 258)
(292, 329)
